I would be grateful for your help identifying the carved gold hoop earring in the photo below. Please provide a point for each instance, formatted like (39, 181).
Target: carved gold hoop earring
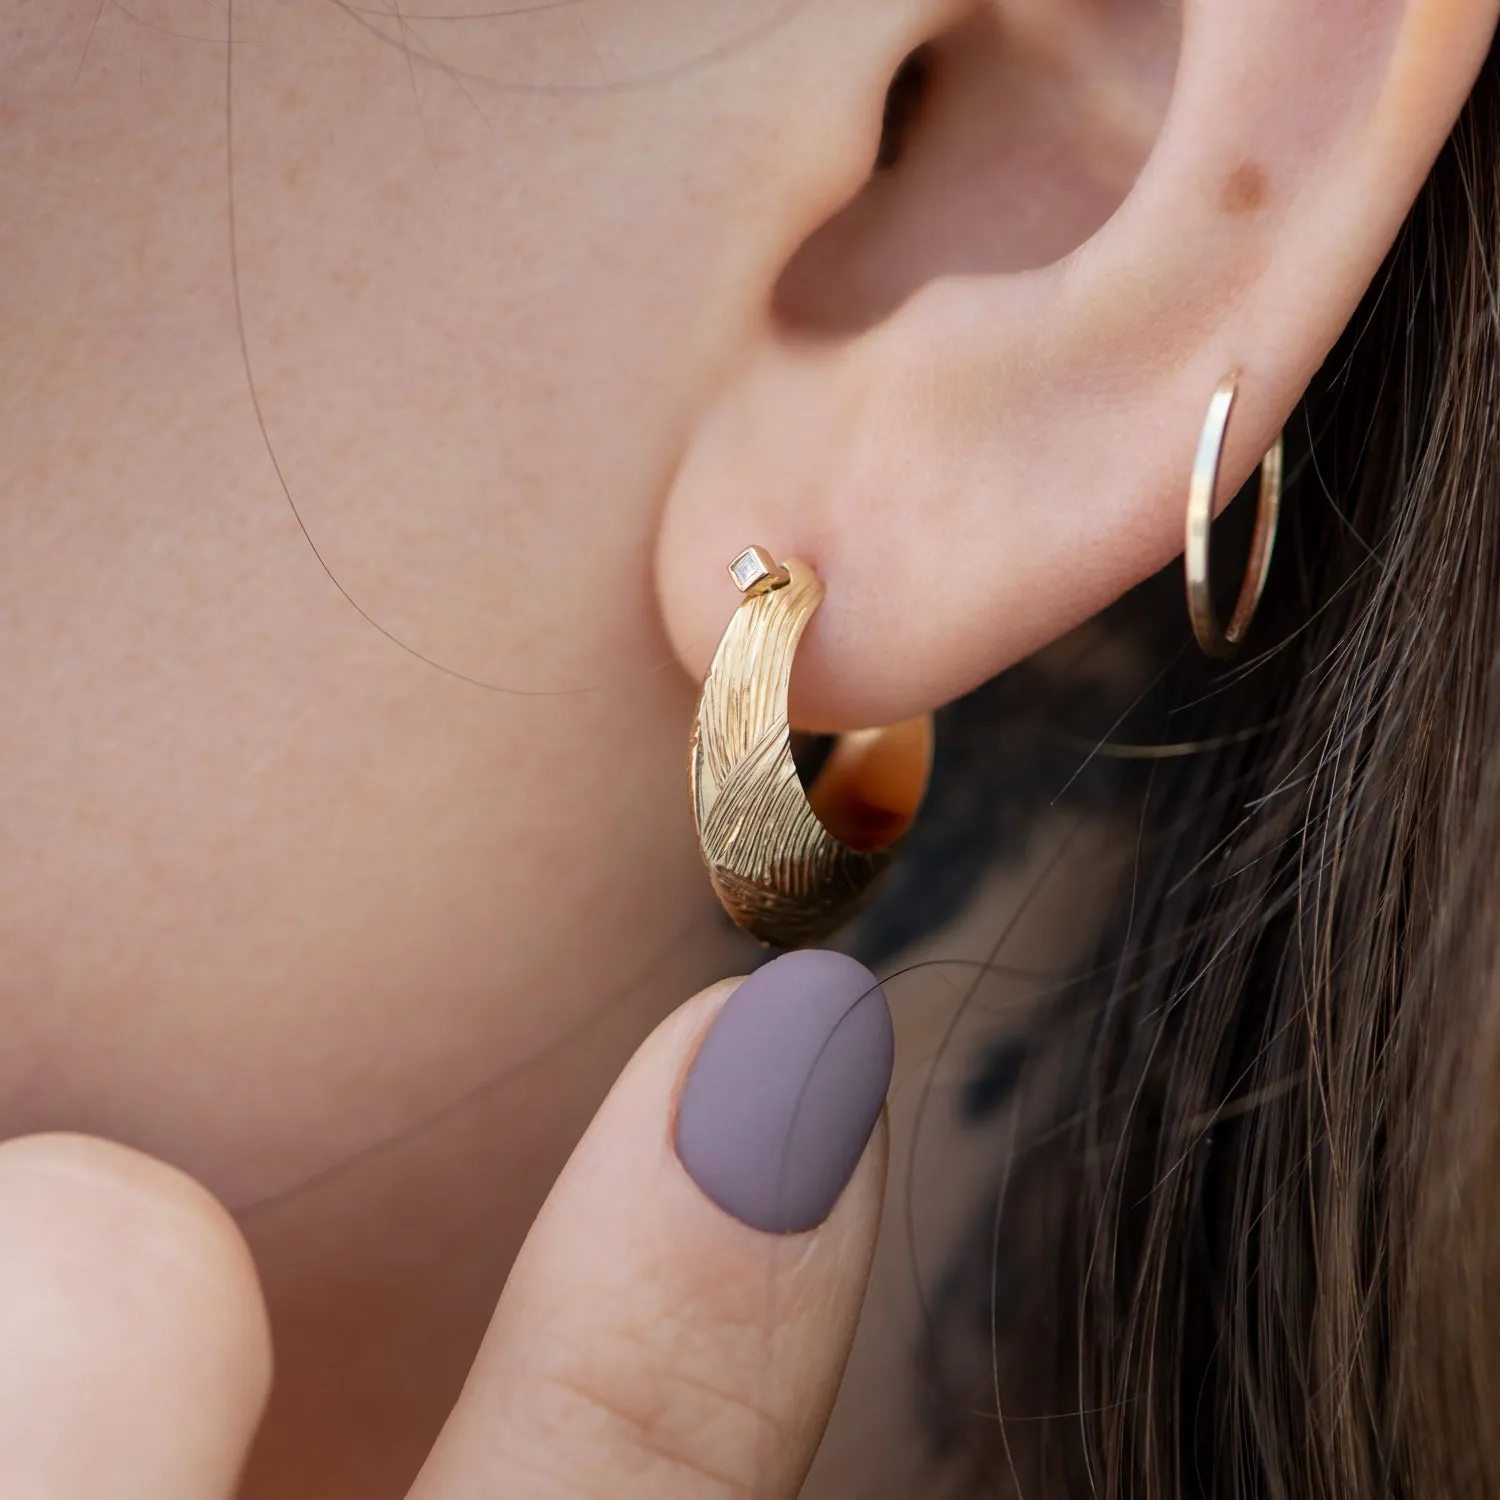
(790, 864)
(1223, 644)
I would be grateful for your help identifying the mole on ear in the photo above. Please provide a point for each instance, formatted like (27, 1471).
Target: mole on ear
(1244, 189)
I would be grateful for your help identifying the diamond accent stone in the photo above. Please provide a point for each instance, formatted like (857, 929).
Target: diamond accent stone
(755, 570)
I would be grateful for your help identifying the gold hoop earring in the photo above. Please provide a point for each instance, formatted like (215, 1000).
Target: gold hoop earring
(789, 864)
(1223, 644)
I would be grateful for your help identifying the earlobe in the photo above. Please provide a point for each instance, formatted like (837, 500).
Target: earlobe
(982, 463)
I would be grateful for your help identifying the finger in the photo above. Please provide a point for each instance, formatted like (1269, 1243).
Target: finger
(679, 1318)
(137, 1356)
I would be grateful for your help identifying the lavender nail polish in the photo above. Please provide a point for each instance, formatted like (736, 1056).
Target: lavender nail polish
(788, 1085)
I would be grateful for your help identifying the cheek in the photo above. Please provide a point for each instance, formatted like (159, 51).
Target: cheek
(276, 886)
(257, 914)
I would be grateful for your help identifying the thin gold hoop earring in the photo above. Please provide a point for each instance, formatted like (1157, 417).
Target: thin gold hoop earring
(1223, 644)
(788, 864)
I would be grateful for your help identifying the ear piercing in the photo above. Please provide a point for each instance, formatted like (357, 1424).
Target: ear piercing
(1223, 644)
(788, 864)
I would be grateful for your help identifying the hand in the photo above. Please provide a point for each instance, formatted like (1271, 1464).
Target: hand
(674, 1328)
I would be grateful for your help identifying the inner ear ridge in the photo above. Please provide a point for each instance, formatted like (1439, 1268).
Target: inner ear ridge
(1004, 147)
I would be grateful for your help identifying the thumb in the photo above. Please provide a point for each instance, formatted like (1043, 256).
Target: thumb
(678, 1320)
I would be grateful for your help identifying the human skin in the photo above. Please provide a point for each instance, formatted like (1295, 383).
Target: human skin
(265, 872)
(382, 399)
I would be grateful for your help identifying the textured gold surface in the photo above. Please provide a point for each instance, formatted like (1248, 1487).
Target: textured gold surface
(778, 871)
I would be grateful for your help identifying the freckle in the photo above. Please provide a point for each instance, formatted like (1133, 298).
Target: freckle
(1244, 189)
(353, 278)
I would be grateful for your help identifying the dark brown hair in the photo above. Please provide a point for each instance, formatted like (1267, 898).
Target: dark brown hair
(1283, 1211)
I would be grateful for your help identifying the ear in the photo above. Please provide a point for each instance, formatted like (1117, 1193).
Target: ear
(978, 455)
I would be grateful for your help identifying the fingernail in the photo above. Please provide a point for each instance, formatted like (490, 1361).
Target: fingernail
(785, 1090)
